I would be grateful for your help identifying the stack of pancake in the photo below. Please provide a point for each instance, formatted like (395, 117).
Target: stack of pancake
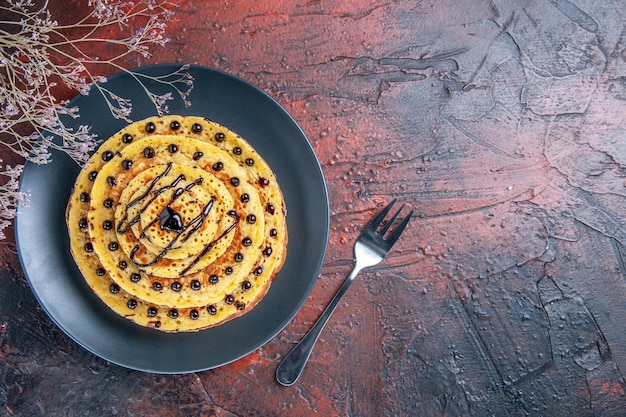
(177, 223)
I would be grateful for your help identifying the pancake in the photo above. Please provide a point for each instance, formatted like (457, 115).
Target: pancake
(177, 224)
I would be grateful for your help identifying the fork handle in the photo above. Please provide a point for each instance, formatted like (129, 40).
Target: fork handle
(294, 362)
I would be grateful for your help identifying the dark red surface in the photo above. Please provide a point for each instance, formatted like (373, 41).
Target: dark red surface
(501, 123)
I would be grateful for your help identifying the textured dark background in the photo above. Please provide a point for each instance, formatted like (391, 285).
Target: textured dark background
(502, 123)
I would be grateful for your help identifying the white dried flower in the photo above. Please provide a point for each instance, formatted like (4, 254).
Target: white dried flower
(10, 196)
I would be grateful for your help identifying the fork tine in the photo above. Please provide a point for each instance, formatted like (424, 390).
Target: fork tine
(396, 233)
(376, 221)
(390, 222)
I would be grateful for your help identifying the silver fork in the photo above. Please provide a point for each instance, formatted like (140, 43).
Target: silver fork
(369, 250)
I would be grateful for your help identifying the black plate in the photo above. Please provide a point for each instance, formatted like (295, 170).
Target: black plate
(43, 242)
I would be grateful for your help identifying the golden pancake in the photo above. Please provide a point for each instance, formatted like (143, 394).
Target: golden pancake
(177, 223)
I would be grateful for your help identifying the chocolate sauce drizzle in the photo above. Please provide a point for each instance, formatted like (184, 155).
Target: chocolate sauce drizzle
(165, 218)
(169, 220)
(120, 227)
(192, 227)
(210, 246)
